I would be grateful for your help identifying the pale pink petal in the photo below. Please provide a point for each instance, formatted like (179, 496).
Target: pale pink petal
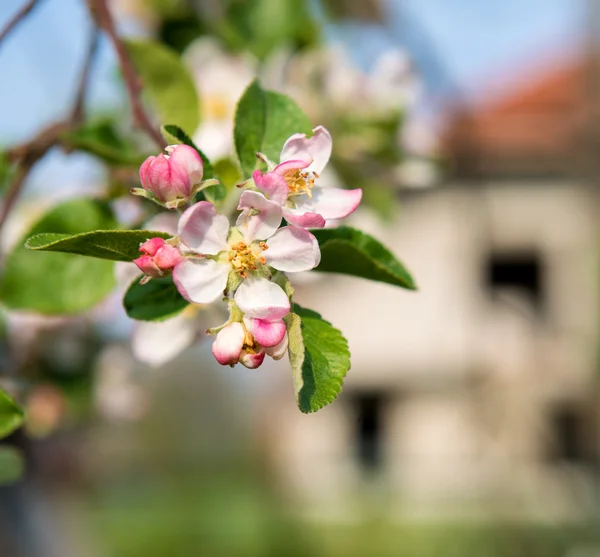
(262, 299)
(260, 218)
(293, 249)
(163, 222)
(144, 172)
(203, 230)
(187, 160)
(157, 342)
(147, 265)
(318, 148)
(252, 360)
(272, 184)
(150, 247)
(200, 280)
(266, 333)
(296, 217)
(298, 163)
(278, 352)
(159, 179)
(331, 203)
(167, 257)
(228, 345)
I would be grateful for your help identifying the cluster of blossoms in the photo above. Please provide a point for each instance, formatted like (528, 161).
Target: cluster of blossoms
(211, 259)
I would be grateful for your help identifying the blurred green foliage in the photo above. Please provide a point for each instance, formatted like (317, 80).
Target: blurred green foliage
(257, 26)
(59, 283)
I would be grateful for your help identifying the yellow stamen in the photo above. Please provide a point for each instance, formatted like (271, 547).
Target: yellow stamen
(299, 182)
(244, 258)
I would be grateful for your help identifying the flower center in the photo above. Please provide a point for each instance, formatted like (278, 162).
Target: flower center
(300, 182)
(244, 258)
(215, 107)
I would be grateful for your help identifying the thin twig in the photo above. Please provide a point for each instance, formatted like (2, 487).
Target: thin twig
(104, 20)
(78, 108)
(18, 17)
(26, 155)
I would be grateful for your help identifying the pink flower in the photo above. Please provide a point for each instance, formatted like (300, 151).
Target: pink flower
(247, 252)
(159, 257)
(291, 184)
(171, 177)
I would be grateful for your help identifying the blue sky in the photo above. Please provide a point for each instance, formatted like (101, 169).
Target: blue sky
(473, 40)
(462, 44)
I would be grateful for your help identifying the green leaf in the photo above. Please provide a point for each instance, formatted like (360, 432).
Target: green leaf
(284, 118)
(167, 83)
(114, 245)
(11, 415)
(12, 464)
(156, 300)
(250, 126)
(348, 251)
(101, 139)
(319, 357)
(173, 135)
(263, 121)
(59, 283)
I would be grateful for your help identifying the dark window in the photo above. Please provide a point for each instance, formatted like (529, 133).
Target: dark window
(368, 409)
(571, 435)
(520, 271)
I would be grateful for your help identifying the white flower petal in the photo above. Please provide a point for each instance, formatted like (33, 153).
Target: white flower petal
(293, 249)
(330, 203)
(318, 147)
(258, 226)
(157, 342)
(203, 230)
(262, 299)
(201, 280)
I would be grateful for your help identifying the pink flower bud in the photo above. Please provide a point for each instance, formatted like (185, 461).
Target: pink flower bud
(278, 352)
(252, 360)
(172, 176)
(228, 345)
(159, 257)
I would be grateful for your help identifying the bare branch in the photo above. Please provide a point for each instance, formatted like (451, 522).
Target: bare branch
(26, 155)
(104, 20)
(18, 17)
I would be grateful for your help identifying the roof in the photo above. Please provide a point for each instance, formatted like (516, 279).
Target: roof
(539, 126)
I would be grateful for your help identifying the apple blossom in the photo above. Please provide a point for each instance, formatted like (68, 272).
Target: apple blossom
(217, 255)
(159, 258)
(291, 183)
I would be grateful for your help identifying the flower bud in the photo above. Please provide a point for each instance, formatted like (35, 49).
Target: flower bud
(252, 360)
(228, 345)
(278, 352)
(172, 176)
(159, 257)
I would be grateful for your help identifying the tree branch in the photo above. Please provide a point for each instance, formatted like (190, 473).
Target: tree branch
(18, 17)
(29, 153)
(104, 20)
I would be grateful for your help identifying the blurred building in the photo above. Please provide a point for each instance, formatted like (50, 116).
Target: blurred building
(476, 396)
